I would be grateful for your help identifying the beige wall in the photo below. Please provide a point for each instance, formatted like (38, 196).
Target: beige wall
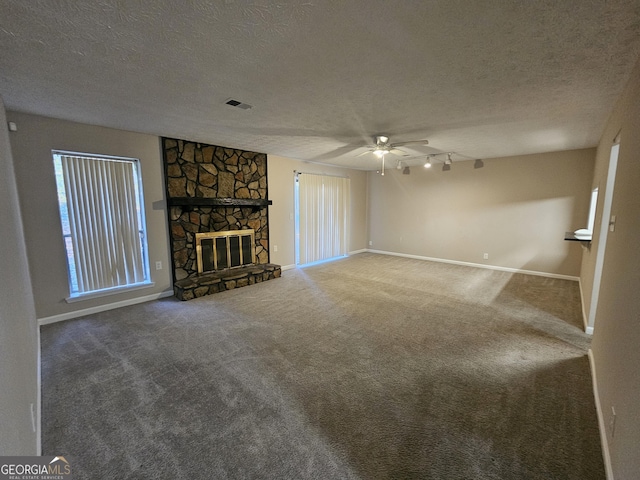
(616, 339)
(32, 145)
(18, 327)
(281, 225)
(515, 209)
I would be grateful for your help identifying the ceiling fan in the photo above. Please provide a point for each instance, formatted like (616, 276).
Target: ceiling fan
(384, 147)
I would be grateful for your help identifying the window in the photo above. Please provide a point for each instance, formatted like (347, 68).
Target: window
(592, 210)
(102, 216)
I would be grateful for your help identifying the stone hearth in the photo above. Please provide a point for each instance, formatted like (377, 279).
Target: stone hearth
(206, 284)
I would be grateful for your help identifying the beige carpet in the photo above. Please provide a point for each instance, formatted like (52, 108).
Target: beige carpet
(369, 367)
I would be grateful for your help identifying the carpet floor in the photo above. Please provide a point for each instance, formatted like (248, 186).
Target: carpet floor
(369, 367)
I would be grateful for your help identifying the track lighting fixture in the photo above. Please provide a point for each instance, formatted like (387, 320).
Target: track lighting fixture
(447, 162)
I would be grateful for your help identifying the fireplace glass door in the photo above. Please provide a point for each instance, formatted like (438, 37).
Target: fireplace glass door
(224, 250)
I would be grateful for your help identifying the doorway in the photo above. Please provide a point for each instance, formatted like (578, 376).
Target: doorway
(606, 225)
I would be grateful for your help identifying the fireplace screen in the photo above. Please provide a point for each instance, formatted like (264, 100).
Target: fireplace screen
(223, 250)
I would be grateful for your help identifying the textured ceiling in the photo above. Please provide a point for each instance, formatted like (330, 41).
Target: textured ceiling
(480, 78)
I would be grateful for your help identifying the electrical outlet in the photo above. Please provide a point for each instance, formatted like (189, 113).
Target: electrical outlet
(275, 248)
(612, 422)
(485, 256)
(158, 265)
(370, 243)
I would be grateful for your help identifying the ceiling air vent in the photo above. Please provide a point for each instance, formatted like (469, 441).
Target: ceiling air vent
(236, 103)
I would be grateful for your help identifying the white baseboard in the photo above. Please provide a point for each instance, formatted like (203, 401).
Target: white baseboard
(478, 265)
(355, 252)
(601, 423)
(284, 268)
(102, 308)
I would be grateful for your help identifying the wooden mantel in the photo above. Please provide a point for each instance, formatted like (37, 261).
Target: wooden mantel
(217, 202)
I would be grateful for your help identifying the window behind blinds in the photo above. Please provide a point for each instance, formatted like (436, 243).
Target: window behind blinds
(101, 210)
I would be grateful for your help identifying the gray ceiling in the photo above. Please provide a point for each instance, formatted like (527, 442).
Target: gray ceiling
(482, 78)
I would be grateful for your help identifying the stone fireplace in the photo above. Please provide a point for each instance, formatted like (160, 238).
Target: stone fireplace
(217, 199)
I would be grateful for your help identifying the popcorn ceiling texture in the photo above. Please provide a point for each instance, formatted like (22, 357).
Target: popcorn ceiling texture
(484, 79)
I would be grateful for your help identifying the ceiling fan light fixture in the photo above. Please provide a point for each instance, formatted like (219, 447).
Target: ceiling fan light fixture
(379, 152)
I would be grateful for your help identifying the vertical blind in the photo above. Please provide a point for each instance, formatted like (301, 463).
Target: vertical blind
(323, 206)
(104, 221)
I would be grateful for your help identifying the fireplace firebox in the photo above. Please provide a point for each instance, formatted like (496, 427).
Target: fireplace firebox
(224, 250)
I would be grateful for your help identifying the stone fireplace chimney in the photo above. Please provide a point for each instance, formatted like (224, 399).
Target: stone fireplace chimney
(215, 189)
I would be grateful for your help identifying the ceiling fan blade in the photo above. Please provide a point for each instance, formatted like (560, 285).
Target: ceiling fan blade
(412, 142)
(397, 151)
(363, 153)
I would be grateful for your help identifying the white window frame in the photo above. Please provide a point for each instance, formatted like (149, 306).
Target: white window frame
(109, 256)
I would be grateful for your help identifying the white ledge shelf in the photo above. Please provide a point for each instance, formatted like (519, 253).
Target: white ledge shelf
(571, 237)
